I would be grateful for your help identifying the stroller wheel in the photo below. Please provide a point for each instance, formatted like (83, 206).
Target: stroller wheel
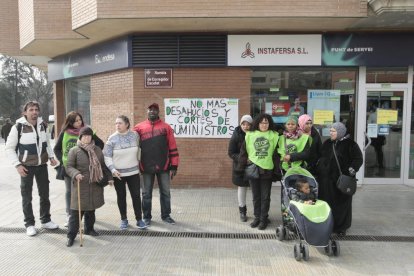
(305, 252)
(336, 249)
(280, 233)
(297, 252)
(328, 248)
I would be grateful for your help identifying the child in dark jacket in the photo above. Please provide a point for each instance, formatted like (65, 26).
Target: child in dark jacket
(304, 193)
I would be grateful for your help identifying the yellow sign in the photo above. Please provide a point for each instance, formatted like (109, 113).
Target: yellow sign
(387, 117)
(323, 117)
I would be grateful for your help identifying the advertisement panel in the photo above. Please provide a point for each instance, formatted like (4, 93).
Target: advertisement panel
(274, 50)
(101, 58)
(368, 49)
(202, 118)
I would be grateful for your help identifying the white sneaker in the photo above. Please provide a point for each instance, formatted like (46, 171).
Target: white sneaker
(31, 231)
(67, 221)
(50, 225)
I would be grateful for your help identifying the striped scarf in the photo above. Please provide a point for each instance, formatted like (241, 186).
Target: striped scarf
(95, 168)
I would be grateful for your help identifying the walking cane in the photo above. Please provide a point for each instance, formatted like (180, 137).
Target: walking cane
(80, 215)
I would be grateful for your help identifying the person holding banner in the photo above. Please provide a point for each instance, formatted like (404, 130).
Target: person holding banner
(238, 178)
(159, 157)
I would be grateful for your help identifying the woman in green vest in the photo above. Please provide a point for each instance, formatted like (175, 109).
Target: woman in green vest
(68, 138)
(294, 147)
(260, 148)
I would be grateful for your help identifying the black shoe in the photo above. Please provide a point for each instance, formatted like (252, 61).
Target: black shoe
(69, 242)
(243, 217)
(168, 220)
(255, 223)
(263, 225)
(92, 233)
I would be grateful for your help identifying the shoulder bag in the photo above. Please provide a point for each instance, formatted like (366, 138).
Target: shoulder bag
(345, 183)
(251, 171)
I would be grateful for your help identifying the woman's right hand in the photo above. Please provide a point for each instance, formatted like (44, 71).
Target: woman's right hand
(117, 174)
(79, 177)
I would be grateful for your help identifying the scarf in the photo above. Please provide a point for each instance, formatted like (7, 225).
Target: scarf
(95, 169)
(73, 131)
(303, 119)
(292, 135)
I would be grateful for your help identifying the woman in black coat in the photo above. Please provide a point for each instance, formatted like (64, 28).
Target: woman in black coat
(306, 125)
(350, 160)
(238, 179)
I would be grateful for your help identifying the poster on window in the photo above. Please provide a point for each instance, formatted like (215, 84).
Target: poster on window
(323, 99)
(202, 118)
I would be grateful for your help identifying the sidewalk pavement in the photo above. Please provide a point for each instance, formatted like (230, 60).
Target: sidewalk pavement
(208, 239)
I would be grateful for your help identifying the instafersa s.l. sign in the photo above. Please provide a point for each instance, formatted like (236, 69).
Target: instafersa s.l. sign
(274, 50)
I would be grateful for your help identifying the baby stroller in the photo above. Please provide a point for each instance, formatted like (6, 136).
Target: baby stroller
(311, 224)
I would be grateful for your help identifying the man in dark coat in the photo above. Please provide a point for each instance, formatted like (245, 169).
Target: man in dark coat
(5, 130)
(350, 160)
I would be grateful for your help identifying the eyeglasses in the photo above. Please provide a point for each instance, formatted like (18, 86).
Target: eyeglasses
(309, 123)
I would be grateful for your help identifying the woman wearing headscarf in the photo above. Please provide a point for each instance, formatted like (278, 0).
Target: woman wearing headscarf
(306, 126)
(67, 139)
(85, 165)
(260, 148)
(350, 160)
(294, 147)
(238, 178)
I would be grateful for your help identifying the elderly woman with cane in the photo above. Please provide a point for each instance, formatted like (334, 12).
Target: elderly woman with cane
(86, 167)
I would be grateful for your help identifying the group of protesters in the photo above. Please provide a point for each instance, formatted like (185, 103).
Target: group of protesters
(274, 150)
(87, 165)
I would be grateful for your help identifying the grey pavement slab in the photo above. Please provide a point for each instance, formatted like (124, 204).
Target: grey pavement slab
(378, 210)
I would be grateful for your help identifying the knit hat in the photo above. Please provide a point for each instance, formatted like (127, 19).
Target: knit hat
(340, 130)
(85, 131)
(292, 118)
(154, 105)
(246, 118)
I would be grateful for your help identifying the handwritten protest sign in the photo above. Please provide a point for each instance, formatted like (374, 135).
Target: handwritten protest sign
(202, 118)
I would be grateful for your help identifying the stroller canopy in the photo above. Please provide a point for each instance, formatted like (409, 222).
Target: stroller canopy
(294, 174)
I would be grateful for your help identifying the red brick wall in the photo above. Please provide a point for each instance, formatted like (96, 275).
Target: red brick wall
(203, 162)
(111, 95)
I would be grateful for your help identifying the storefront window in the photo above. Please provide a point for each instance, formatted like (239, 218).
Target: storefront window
(387, 75)
(78, 97)
(327, 95)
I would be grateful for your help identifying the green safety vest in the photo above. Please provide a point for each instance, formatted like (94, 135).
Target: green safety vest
(69, 141)
(260, 147)
(292, 146)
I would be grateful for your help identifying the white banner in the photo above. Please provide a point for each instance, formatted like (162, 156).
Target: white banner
(202, 118)
(272, 50)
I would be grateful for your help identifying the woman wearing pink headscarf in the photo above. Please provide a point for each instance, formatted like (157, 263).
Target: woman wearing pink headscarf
(306, 125)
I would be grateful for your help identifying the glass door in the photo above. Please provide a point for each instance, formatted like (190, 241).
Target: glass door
(384, 135)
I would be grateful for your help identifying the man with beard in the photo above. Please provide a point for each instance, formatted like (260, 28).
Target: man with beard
(28, 148)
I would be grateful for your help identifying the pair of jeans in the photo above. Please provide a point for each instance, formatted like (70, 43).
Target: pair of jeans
(68, 191)
(26, 186)
(163, 179)
(73, 225)
(134, 189)
(261, 189)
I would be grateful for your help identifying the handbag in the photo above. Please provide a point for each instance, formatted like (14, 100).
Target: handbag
(345, 183)
(60, 172)
(251, 171)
